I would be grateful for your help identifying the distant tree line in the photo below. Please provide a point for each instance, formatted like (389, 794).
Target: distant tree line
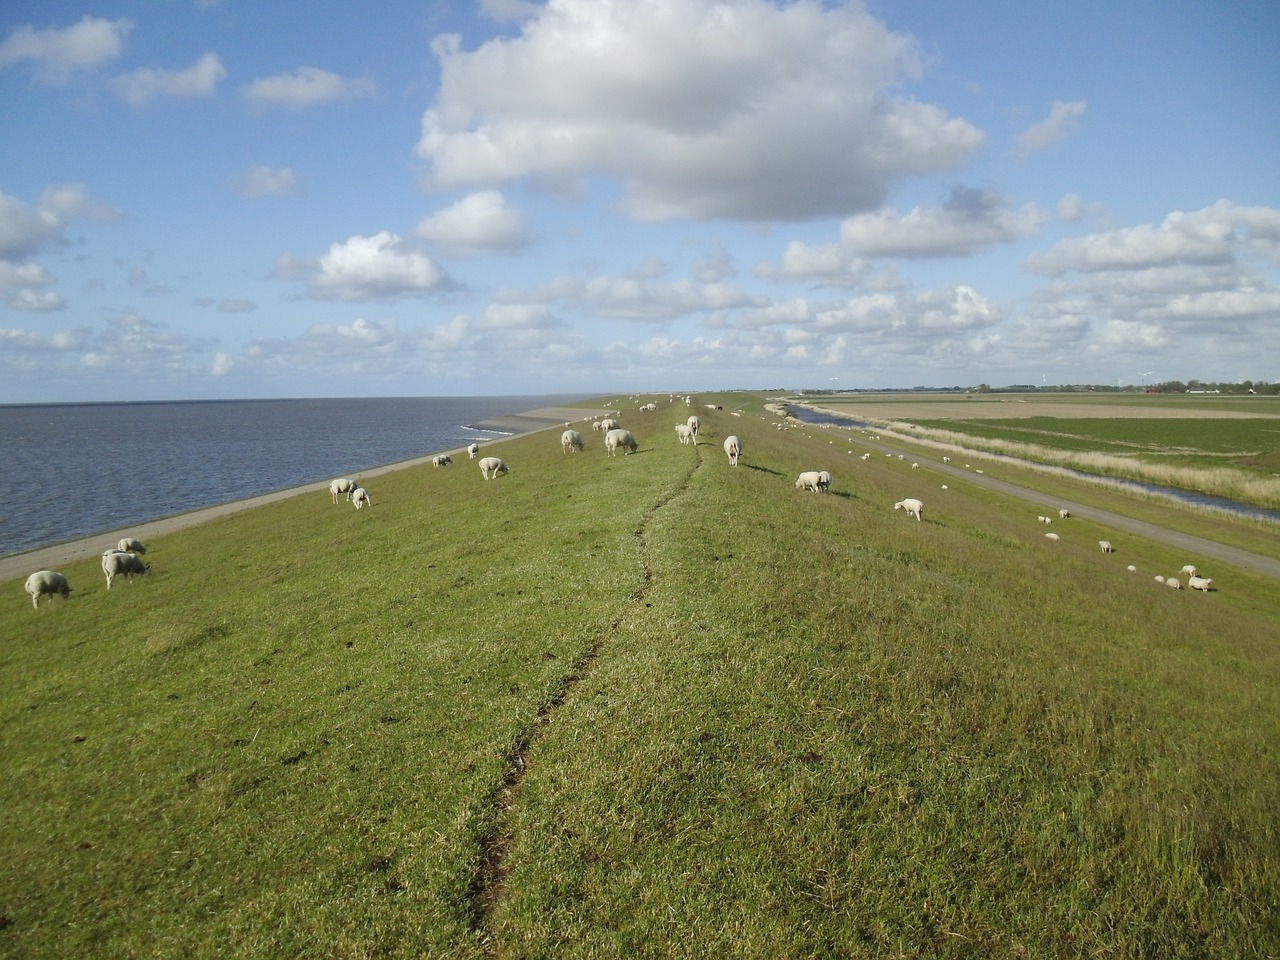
(1244, 387)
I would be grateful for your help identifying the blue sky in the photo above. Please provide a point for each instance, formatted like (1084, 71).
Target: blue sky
(235, 199)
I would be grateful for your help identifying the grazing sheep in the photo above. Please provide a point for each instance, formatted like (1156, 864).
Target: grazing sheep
(340, 486)
(865, 456)
(119, 563)
(1045, 519)
(694, 426)
(491, 467)
(571, 440)
(608, 423)
(619, 438)
(913, 507)
(684, 433)
(1063, 514)
(1052, 536)
(1189, 570)
(441, 460)
(733, 448)
(46, 582)
(915, 466)
(130, 545)
(810, 480)
(1173, 582)
(595, 426)
(1159, 579)
(1106, 546)
(946, 459)
(1199, 583)
(824, 480)
(360, 497)
(1131, 568)
(473, 450)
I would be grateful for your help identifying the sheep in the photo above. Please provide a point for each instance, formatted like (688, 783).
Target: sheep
(1159, 579)
(915, 466)
(607, 424)
(694, 426)
(946, 459)
(684, 433)
(1199, 583)
(473, 450)
(1052, 536)
(865, 456)
(733, 448)
(360, 497)
(619, 438)
(340, 486)
(1173, 582)
(595, 426)
(491, 467)
(46, 582)
(809, 480)
(824, 480)
(441, 460)
(1064, 514)
(130, 545)
(571, 440)
(1106, 546)
(914, 507)
(119, 563)
(1131, 568)
(1045, 519)
(1189, 570)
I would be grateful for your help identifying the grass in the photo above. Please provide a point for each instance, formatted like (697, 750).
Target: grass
(752, 722)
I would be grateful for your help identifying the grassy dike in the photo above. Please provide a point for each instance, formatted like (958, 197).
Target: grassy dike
(648, 706)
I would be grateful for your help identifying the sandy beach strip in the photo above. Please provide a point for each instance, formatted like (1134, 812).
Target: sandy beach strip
(21, 565)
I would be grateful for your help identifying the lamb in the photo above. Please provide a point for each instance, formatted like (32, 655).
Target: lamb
(810, 480)
(46, 582)
(473, 450)
(684, 433)
(441, 460)
(619, 438)
(1052, 536)
(491, 467)
(1199, 583)
(340, 486)
(595, 426)
(130, 545)
(119, 563)
(1063, 514)
(571, 440)
(1189, 570)
(360, 497)
(1106, 546)
(914, 507)
(694, 425)
(733, 448)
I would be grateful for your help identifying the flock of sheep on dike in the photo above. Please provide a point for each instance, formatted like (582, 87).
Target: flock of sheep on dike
(124, 559)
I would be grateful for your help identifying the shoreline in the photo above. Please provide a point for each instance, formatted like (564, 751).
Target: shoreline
(21, 565)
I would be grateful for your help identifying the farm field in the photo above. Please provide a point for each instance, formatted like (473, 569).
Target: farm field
(643, 706)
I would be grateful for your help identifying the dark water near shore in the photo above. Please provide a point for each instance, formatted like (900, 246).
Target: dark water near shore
(818, 417)
(71, 470)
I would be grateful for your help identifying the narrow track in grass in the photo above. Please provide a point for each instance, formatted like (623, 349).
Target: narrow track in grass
(489, 884)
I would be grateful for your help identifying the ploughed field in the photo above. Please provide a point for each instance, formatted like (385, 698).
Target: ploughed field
(645, 705)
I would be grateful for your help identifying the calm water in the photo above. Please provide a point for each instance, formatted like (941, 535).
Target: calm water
(71, 470)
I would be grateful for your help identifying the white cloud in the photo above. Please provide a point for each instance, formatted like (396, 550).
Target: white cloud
(199, 80)
(637, 297)
(1062, 122)
(263, 181)
(741, 109)
(233, 305)
(367, 268)
(58, 54)
(304, 88)
(478, 224)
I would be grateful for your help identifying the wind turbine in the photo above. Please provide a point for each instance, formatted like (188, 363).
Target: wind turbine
(1145, 375)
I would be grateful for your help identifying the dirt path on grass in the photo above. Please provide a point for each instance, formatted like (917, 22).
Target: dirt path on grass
(20, 565)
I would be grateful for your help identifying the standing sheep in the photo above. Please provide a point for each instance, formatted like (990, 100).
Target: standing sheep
(491, 467)
(119, 563)
(360, 497)
(1106, 546)
(130, 545)
(1063, 514)
(683, 433)
(810, 480)
(914, 508)
(46, 583)
(1189, 570)
(340, 486)
(1199, 583)
(441, 460)
(733, 448)
(694, 426)
(607, 424)
(473, 450)
(620, 438)
(571, 440)
(824, 480)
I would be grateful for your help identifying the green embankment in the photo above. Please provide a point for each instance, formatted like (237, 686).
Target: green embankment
(642, 706)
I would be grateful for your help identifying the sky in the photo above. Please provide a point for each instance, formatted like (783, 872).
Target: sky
(207, 199)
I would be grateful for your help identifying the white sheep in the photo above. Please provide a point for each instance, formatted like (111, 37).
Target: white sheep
(360, 497)
(130, 545)
(1159, 579)
(619, 438)
(46, 583)
(473, 450)
(1131, 568)
(809, 480)
(571, 440)
(441, 460)
(595, 426)
(1052, 536)
(1106, 546)
(1173, 582)
(914, 507)
(608, 423)
(340, 486)
(824, 480)
(1199, 583)
(733, 448)
(684, 434)
(865, 456)
(1063, 514)
(946, 459)
(1045, 519)
(1189, 570)
(915, 466)
(694, 426)
(119, 563)
(491, 467)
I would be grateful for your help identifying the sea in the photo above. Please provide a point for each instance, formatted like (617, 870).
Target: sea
(73, 470)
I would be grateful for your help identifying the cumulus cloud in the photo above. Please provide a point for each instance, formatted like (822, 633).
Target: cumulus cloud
(305, 87)
(366, 268)
(263, 181)
(479, 224)
(58, 54)
(641, 297)
(743, 109)
(1062, 122)
(142, 86)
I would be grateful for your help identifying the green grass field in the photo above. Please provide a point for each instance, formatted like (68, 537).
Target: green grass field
(648, 706)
